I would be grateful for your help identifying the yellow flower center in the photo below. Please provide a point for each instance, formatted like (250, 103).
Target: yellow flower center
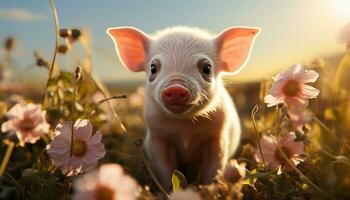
(291, 88)
(104, 193)
(79, 148)
(26, 125)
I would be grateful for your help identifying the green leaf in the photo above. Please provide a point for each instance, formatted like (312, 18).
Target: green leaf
(66, 77)
(252, 176)
(178, 180)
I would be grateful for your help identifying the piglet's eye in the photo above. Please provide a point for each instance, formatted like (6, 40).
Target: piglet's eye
(154, 70)
(206, 69)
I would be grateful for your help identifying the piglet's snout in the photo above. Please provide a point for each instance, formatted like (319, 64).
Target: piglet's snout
(176, 95)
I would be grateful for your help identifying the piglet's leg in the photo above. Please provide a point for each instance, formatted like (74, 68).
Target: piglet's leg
(163, 157)
(212, 159)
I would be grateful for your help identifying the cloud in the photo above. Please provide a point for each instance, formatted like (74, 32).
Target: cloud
(18, 14)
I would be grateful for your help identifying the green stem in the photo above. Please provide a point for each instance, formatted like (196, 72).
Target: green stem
(328, 153)
(105, 100)
(55, 15)
(106, 94)
(73, 114)
(254, 111)
(138, 144)
(279, 120)
(297, 170)
(277, 127)
(65, 188)
(340, 70)
(5, 161)
(324, 126)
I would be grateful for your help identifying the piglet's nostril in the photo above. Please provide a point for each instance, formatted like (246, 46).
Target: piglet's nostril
(176, 95)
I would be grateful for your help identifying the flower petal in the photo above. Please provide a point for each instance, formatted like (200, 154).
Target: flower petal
(60, 160)
(7, 126)
(289, 72)
(96, 138)
(109, 175)
(83, 129)
(309, 92)
(64, 128)
(287, 139)
(98, 150)
(296, 102)
(294, 147)
(268, 148)
(15, 112)
(307, 76)
(272, 101)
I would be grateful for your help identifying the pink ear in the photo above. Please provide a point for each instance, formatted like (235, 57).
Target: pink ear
(234, 46)
(131, 45)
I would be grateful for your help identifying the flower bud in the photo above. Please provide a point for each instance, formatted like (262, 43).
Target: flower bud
(62, 49)
(40, 61)
(64, 33)
(76, 33)
(234, 172)
(9, 43)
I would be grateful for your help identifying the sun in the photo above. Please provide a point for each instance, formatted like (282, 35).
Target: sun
(340, 9)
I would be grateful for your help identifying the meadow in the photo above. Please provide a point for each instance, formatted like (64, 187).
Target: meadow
(78, 137)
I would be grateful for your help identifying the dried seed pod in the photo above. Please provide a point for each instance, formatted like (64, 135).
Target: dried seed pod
(62, 48)
(76, 33)
(64, 33)
(9, 43)
(77, 73)
(40, 61)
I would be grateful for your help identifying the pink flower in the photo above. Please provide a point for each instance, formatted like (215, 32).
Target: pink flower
(273, 157)
(299, 117)
(290, 88)
(87, 147)
(10, 87)
(109, 182)
(187, 194)
(344, 35)
(27, 121)
(233, 172)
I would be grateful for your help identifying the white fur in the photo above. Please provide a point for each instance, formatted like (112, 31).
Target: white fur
(172, 135)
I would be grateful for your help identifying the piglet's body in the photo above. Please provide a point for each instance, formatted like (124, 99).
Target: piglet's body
(205, 142)
(190, 117)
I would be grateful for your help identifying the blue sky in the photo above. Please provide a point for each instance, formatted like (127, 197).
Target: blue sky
(293, 31)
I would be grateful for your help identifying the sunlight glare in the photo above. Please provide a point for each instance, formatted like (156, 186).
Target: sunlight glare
(340, 10)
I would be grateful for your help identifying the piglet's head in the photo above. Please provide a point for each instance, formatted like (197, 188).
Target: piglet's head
(182, 64)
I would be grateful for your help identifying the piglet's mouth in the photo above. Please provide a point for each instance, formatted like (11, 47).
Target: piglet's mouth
(177, 109)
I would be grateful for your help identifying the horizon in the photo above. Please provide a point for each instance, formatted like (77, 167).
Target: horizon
(292, 32)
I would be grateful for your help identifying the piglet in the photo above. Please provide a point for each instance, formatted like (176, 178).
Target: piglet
(190, 117)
